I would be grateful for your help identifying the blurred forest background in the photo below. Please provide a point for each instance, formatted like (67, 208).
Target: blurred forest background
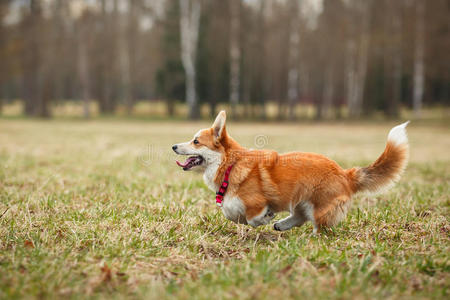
(262, 59)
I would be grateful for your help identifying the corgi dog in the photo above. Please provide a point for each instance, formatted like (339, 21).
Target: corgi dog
(256, 184)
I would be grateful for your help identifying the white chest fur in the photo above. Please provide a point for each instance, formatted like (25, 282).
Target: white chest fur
(213, 161)
(234, 209)
(209, 175)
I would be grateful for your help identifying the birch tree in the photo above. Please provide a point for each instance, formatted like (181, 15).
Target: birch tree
(235, 55)
(189, 26)
(358, 53)
(419, 65)
(3, 8)
(107, 52)
(35, 78)
(260, 79)
(126, 52)
(294, 48)
(328, 91)
(398, 62)
(351, 73)
(329, 29)
(83, 65)
(392, 56)
(57, 62)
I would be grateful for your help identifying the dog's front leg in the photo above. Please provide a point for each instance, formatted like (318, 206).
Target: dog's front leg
(264, 216)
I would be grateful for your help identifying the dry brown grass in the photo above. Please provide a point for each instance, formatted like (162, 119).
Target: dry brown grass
(100, 209)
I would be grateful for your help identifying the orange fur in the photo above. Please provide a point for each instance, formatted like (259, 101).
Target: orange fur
(282, 182)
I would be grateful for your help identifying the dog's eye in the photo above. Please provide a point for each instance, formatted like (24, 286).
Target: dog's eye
(196, 141)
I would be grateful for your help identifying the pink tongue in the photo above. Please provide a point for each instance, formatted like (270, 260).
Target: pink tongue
(186, 163)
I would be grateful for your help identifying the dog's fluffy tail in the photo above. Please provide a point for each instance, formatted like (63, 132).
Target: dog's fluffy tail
(387, 168)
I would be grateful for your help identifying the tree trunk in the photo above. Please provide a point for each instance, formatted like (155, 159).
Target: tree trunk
(328, 92)
(419, 65)
(212, 108)
(108, 70)
(125, 67)
(319, 101)
(127, 46)
(83, 71)
(46, 87)
(133, 44)
(35, 85)
(246, 96)
(102, 57)
(260, 76)
(191, 96)
(392, 57)
(189, 26)
(235, 55)
(351, 76)
(294, 48)
(30, 59)
(362, 63)
(2, 54)
(57, 60)
(359, 81)
(2, 94)
(398, 67)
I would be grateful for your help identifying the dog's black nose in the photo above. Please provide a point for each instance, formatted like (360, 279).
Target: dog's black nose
(174, 147)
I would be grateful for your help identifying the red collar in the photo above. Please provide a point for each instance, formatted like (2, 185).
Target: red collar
(223, 188)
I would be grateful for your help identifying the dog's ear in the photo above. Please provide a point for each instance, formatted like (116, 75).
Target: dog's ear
(219, 125)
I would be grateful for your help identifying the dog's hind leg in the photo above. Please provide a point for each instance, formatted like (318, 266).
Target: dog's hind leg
(331, 214)
(297, 218)
(289, 222)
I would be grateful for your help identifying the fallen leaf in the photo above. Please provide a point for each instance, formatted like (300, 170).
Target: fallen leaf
(285, 270)
(28, 244)
(106, 271)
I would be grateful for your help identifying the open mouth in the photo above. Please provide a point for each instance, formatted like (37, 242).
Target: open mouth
(191, 161)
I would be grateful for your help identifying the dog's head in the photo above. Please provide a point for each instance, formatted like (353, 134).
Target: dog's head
(206, 147)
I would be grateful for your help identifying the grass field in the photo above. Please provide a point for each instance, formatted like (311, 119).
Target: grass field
(99, 209)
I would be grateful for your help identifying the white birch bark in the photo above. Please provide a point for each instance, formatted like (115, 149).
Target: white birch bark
(356, 92)
(235, 55)
(189, 26)
(419, 65)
